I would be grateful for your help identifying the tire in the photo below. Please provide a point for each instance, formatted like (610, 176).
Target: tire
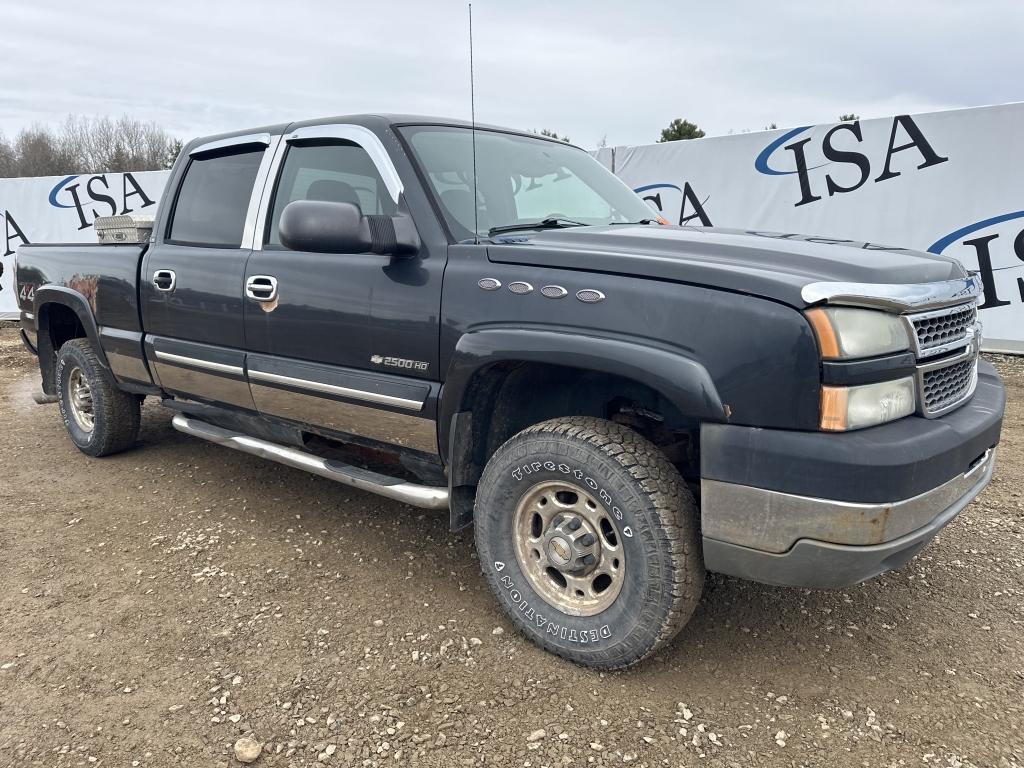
(645, 573)
(115, 415)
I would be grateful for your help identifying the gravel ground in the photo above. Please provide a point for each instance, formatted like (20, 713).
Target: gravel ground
(158, 606)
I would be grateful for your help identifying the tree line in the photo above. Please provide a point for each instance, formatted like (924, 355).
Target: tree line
(680, 129)
(88, 145)
(101, 144)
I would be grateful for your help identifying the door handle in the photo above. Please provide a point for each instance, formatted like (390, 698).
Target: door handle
(261, 288)
(165, 280)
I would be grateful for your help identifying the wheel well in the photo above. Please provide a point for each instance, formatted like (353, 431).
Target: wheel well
(58, 324)
(507, 397)
(62, 325)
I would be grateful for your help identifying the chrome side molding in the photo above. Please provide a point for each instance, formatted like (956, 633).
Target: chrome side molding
(169, 357)
(425, 496)
(895, 297)
(333, 389)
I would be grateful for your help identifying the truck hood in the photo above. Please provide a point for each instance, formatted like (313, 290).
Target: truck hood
(768, 264)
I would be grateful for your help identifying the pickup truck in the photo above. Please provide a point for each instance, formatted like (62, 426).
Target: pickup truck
(490, 322)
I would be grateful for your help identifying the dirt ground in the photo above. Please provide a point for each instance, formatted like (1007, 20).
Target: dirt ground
(158, 605)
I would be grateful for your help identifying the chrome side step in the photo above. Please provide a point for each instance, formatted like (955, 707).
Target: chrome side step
(425, 496)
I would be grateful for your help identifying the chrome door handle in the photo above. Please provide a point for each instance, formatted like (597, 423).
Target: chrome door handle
(261, 288)
(165, 280)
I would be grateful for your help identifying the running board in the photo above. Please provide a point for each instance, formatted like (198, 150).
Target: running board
(425, 496)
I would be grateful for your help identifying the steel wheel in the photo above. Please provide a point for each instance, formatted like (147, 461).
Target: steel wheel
(80, 400)
(567, 547)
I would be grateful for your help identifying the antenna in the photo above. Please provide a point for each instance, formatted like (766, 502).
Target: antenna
(472, 118)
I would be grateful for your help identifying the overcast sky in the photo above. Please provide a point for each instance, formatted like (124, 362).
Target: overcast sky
(589, 69)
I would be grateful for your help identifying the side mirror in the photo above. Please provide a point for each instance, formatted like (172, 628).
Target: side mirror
(325, 227)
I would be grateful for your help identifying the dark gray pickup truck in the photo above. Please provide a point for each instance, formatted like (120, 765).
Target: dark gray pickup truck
(501, 328)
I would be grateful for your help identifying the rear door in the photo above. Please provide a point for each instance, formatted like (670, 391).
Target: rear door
(347, 342)
(192, 281)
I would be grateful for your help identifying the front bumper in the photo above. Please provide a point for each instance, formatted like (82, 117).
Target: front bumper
(888, 492)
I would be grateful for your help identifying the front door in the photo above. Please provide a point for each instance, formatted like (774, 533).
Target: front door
(192, 277)
(346, 342)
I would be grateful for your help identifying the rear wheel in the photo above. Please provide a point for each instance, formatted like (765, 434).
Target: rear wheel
(100, 419)
(588, 537)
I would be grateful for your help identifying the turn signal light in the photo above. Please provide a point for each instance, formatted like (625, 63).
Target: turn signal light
(834, 408)
(827, 341)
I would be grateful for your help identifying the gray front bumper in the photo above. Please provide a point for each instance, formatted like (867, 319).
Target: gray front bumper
(780, 538)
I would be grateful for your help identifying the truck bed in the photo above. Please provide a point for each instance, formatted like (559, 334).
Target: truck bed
(106, 275)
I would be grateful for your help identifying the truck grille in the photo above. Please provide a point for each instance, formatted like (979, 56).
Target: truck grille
(936, 331)
(943, 388)
(946, 342)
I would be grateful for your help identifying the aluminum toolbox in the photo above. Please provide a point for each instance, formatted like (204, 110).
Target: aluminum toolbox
(114, 230)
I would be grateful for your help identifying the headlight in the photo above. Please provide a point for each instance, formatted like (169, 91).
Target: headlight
(845, 332)
(845, 408)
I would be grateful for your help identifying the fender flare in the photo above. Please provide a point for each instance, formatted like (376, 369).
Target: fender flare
(57, 294)
(683, 381)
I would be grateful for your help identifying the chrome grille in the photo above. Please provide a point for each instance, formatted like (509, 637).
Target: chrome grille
(943, 388)
(939, 331)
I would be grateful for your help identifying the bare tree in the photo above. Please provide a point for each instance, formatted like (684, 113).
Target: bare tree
(87, 145)
(8, 160)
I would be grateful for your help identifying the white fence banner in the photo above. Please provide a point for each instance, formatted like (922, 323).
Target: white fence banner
(945, 182)
(61, 209)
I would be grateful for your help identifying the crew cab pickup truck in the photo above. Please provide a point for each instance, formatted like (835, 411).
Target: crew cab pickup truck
(490, 322)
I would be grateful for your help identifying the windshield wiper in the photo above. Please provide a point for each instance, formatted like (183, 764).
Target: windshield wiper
(620, 223)
(543, 224)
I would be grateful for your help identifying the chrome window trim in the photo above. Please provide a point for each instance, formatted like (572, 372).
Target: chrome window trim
(357, 134)
(170, 357)
(366, 139)
(258, 188)
(332, 389)
(895, 297)
(233, 141)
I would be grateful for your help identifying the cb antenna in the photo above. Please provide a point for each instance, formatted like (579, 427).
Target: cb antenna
(472, 123)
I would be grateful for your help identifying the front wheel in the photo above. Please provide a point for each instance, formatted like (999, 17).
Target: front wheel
(100, 418)
(588, 537)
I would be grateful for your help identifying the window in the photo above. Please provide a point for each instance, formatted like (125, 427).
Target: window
(538, 197)
(213, 199)
(334, 171)
(521, 180)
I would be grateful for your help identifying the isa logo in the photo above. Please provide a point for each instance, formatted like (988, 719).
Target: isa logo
(845, 157)
(13, 234)
(995, 246)
(85, 193)
(666, 197)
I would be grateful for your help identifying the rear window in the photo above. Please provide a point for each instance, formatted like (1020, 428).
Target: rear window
(213, 199)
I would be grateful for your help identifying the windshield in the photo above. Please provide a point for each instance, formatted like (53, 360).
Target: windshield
(521, 181)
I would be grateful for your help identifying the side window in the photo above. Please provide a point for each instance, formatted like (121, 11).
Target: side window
(213, 199)
(335, 171)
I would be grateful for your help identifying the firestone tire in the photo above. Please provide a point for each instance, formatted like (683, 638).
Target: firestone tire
(626, 496)
(100, 419)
